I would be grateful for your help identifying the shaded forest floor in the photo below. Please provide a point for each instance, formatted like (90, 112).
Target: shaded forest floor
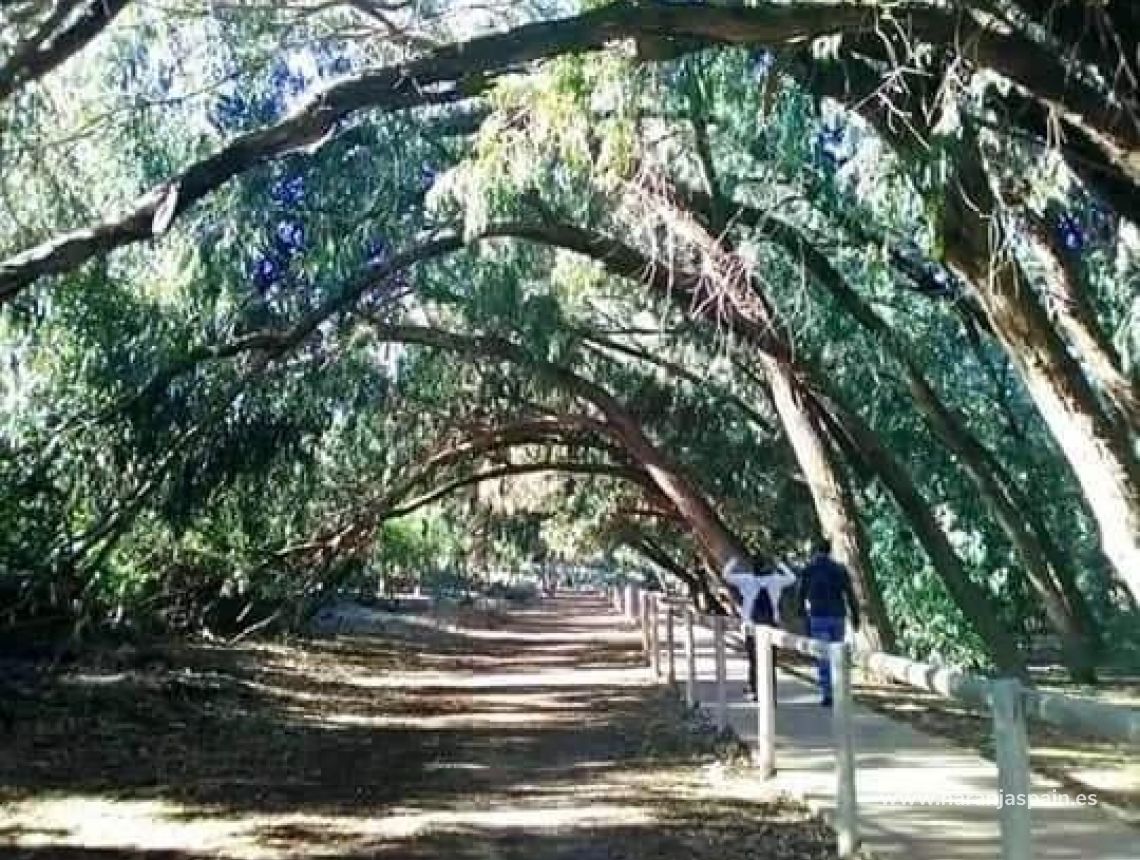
(536, 738)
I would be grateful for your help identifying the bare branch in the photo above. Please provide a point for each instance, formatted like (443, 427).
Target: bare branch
(461, 70)
(65, 32)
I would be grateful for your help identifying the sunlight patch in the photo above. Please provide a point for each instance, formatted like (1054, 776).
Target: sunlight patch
(112, 825)
(102, 823)
(454, 765)
(592, 678)
(446, 721)
(592, 815)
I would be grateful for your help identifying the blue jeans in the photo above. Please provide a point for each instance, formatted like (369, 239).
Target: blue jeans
(829, 629)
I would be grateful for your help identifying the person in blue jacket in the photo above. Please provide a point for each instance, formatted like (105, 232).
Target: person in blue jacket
(827, 596)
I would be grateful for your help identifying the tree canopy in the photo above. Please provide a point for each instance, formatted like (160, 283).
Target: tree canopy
(298, 296)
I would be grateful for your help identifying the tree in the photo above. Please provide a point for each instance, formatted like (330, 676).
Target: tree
(703, 299)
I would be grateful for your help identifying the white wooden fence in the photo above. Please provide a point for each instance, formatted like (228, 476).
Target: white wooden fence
(1008, 700)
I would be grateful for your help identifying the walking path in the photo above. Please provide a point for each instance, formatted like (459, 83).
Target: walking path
(539, 736)
(902, 774)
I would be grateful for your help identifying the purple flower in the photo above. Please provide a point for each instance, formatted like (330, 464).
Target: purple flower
(267, 272)
(289, 191)
(1070, 232)
(761, 63)
(377, 252)
(289, 237)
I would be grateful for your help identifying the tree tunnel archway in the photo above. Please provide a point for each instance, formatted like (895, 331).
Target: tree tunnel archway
(214, 315)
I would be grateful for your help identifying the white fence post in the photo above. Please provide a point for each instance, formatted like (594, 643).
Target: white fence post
(721, 673)
(643, 618)
(690, 659)
(670, 644)
(655, 633)
(765, 703)
(630, 603)
(846, 802)
(1011, 748)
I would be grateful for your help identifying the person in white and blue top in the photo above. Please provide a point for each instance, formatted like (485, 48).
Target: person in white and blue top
(756, 589)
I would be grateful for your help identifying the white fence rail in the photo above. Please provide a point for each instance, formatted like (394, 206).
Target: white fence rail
(1009, 702)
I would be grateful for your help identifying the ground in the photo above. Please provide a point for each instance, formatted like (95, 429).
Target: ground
(1081, 763)
(538, 737)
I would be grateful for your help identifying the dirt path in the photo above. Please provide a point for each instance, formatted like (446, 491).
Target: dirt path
(537, 740)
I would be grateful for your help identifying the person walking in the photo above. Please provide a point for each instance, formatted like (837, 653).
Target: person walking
(827, 596)
(756, 589)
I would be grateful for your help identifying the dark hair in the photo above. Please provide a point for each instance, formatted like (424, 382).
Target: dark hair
(822, 546)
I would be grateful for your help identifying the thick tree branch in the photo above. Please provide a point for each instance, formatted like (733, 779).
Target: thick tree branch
(612, 470)
(465, 69)
(666, 474)
(50, 45)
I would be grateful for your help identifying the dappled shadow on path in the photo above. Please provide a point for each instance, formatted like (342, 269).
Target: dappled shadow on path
(539, 739)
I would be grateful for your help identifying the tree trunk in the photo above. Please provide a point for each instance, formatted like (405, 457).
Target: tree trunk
(749, 313)
(67, 31)
(834, 503)
(969, 597)
(1069, 306)
(1096, 446)
(690, 503)
(696, 584)
(976, 247)
(1047, 569)
(463, 70)
(745, 315)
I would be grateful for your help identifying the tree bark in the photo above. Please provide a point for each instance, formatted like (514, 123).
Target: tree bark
(65, 33)
(1096, 446)
(743, 315)
(834, 503)
(697, 584)
(698, 514)
(975, 245)
(1113, 182)
(1045, 565)
(752, 319)
(967, 596)
(465, 69)
(1069, 306)
(832, 498)
(1103, 34)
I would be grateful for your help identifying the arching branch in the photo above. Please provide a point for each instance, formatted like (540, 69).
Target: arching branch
(69, 28)
(461, 70)
(612, 470)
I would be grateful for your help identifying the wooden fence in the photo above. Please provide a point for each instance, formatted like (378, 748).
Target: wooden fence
(1009, 702)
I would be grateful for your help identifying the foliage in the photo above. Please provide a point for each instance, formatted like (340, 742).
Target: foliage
(157, 471)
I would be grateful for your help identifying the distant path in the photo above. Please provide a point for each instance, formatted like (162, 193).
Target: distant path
(898, 763)
(543, 739)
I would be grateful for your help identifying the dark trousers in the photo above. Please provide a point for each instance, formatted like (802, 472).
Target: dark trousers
(750, 652)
